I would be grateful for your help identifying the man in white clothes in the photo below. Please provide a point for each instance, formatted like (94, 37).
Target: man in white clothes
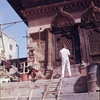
(64, 54)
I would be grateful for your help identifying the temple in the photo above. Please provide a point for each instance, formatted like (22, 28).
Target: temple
(75, 23)
(54, 22)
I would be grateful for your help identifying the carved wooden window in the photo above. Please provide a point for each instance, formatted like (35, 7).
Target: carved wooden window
(60, 40)
(94, 40)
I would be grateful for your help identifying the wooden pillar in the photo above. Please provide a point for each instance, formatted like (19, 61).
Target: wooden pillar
(83, 44)
(50, 50)
(46, 53)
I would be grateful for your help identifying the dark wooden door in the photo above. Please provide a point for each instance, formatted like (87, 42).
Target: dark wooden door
(61, 39)
(71, 39)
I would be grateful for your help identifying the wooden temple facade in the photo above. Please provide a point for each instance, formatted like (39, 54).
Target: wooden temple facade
(52, 23)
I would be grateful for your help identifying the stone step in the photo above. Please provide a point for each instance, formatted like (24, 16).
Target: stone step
(78, 96)
(74, 84)
(70, 85)
(66, 96)
(81, 96)
(76, 72)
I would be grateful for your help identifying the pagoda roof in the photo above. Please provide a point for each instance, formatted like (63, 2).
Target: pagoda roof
(33, 9)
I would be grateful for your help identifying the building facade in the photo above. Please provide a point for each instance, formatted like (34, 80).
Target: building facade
(52, 23)
(7, 47)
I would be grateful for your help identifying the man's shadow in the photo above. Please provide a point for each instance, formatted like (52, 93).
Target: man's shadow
(81, 85)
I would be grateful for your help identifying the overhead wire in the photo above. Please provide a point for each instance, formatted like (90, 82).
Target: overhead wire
(10, 24)
(7, 26)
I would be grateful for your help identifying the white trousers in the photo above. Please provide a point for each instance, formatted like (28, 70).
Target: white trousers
(66, 64)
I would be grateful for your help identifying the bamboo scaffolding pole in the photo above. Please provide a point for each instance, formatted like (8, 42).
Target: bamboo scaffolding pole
(17, 96)
(16, 70)
(30, 96)
(59, 90)
(46, 90)
(7, 74)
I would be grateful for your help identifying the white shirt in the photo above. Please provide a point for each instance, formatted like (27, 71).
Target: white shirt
(64, 54)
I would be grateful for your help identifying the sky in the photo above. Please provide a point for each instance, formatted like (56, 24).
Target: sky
(17, 31)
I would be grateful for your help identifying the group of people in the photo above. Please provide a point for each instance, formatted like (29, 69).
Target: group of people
(64, 54)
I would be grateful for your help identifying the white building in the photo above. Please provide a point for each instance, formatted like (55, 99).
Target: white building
(7, 47)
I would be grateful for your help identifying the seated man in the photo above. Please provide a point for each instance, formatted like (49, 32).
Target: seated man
(35, 74)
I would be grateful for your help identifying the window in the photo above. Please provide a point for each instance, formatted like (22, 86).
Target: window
(2, 52)
(10, 57)
(11, 47)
